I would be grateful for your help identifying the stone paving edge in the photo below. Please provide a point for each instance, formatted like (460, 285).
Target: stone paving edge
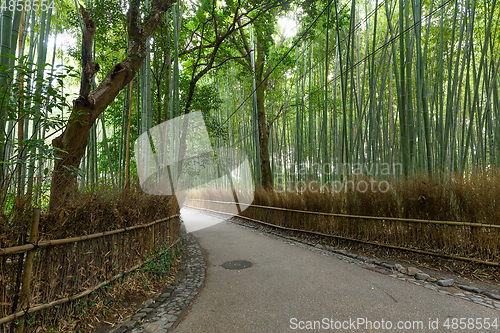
(162, 313)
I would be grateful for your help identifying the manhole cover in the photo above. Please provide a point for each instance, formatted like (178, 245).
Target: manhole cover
(237, 264)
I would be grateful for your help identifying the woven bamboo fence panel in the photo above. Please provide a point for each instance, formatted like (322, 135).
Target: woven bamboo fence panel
(64, 270)
(478, 241)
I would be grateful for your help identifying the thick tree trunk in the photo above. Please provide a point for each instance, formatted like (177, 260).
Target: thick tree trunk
(72, 144)
(265, 164)
(261, 76)
(89, 105)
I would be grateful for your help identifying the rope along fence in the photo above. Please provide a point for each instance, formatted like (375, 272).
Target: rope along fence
(61, 271)
(467, 241)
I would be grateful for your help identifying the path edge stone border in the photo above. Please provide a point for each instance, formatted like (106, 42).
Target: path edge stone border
(163, 312)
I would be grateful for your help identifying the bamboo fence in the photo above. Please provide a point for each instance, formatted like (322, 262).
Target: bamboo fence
(65, 270)
(468, 241)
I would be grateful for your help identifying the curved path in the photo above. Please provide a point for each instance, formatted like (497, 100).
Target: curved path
(290, 288)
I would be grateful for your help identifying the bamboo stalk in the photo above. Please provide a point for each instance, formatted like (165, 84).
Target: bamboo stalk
(127, 144)
(28, 268)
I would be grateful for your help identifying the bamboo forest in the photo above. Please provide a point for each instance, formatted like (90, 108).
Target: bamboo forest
(402, 95)
(295, 85)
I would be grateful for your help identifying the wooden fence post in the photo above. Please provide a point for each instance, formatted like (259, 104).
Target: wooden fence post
(153, 247)
(28, 267)
(171, 230)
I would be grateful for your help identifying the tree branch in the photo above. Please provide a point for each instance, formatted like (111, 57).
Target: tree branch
(122, 73)
(89, 68)
(86, 108)
(269, 124)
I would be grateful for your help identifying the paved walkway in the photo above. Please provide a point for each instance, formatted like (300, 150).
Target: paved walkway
(290, 288)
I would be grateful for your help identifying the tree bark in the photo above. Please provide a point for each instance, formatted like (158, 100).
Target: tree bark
(265, 163)
(88, 106)
(261, 76)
